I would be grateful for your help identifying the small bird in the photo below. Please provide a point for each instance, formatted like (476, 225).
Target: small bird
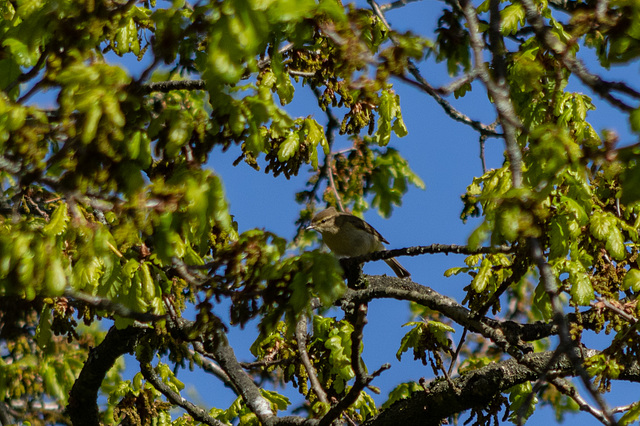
(349, 236)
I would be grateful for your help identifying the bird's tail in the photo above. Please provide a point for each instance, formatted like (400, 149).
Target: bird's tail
(397, 268)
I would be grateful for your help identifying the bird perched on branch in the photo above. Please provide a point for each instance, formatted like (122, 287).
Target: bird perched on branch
(349, 236)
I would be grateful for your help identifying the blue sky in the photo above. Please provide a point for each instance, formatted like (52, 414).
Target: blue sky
(445, 154)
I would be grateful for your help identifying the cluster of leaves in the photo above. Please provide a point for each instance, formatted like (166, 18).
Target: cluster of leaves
(578, 198)
(105, 201)
(107, 209)
(329, 347)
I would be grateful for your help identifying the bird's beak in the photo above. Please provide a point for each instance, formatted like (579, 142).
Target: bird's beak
(310, 228)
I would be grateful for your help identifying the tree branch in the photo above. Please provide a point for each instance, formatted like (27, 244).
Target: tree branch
(219, 347)
(211, 367)
(475, 389)
(498, 90)
(423, 85)
(566, 343)
(396, 4)
(168, 86)
(109, 305)
(507, 335)
(301, 339)
(595, 82)
(83, 405)
(194, 411)
(419, 250)
(566, 388)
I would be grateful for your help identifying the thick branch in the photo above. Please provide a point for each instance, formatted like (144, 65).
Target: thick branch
(83, 405)
(211, 367)
(473, 389)
(384, 287)
(219, 346)
(507, 337)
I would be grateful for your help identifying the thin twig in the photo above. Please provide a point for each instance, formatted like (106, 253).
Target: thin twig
(566, 343)
(457, 84)
(431, 249)
(561, 50)
(423, 85)
(483, 139)
(396, 4)
(171, 85)
(210, 365)
(301, 338)
(30, 74)
(109, 305)
(194, 411)
(566, 388)
(332, 125)
(458, 349)
(456, 115)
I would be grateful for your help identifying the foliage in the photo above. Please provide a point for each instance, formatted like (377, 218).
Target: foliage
(110, 213)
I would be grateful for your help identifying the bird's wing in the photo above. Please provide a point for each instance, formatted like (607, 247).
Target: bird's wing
(361, 224)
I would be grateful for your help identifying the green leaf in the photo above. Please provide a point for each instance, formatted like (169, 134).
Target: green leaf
(91, 124)
(402, 391)
(439, 331)
(289, 147)
(510, 17)
(481, 279)
(456, 270)
(519, 395)
(43, 331)
(126, 39)
(283, 84)
(581, 289)
(148, 285)
(278, 402)
(576, 210)
(411, 339)
(631, 280)
(399, 128)
(327, 279)
(630, 182)
(52, 382)
(9, 72)
(615, 244)
(600, 225)
(23, 54)
(634, 120)
(389, 111)
(316, 134)
(542, 302)
(631, 415)
(58, 222)
(55, 277)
